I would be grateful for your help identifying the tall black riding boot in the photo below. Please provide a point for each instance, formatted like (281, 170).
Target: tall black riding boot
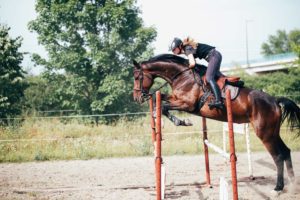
(217, 103)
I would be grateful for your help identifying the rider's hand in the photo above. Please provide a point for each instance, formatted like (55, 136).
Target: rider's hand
(192, 61)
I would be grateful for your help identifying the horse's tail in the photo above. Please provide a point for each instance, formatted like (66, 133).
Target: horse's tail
(291, 112)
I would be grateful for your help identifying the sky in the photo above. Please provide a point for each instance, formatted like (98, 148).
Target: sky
(220, 23)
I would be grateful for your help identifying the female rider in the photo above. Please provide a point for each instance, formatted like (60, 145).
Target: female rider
(195, 50)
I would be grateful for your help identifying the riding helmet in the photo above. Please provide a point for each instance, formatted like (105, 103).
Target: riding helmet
(175, 43)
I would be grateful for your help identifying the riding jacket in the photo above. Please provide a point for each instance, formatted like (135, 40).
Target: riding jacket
(200, 52)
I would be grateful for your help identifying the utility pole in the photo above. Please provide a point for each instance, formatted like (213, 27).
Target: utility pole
(247, 51)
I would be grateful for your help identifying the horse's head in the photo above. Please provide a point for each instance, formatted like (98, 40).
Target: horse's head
(142, 83)
(165, 66)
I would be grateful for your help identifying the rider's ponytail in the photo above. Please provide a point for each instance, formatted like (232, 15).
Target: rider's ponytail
(190, 41)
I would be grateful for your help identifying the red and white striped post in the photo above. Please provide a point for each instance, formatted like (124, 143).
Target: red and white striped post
(231, 146)
(232, 155)
(156, 139)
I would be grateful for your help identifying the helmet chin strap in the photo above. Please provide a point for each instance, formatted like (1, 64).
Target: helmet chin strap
(180, 49)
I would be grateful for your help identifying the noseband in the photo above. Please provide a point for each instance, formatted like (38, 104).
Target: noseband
(144, 92)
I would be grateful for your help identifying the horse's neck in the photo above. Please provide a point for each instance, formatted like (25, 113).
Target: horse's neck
(166, 71)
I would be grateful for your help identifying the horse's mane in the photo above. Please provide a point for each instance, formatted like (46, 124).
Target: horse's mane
(168, 58)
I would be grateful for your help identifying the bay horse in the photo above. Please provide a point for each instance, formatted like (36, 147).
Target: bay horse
(264, 112)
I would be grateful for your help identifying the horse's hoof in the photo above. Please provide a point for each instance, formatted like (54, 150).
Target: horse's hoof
(187, 122)
(177, 122)
(293, 188)
(275, 193)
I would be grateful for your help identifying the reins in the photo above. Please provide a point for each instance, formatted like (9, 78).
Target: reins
(150, 94)
(172, 79)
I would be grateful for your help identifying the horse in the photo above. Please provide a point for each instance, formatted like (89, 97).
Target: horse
(265, 113)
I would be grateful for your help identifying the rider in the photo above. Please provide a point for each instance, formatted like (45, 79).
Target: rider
(194, 50)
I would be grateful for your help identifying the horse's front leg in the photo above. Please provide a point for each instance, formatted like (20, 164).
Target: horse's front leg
(173, 118)
(173, 105)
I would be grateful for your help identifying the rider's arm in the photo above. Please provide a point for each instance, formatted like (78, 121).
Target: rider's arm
(192, 61)
(189, 52)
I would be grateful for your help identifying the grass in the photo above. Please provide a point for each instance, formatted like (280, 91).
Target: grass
(54, 139)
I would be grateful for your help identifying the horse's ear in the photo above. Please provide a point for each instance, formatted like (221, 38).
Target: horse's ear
(136, 64)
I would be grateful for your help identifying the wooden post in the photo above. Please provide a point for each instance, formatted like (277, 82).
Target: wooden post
(207, 170)
(232, 146)
(158, 159)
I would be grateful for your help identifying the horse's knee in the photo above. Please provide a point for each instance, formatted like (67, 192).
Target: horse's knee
(165, 110)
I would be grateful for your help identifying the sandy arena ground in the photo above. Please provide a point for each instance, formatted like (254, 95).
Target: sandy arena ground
(133, 178)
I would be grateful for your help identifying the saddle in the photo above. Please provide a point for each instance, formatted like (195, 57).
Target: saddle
(230, 80)
(221, 79)
(224, 82)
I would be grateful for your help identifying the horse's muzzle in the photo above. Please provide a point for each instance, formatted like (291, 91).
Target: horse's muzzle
(139, 99)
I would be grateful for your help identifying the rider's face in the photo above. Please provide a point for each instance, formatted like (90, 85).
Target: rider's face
(176, 51)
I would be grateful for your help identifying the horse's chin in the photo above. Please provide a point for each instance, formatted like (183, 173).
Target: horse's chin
(141, 100)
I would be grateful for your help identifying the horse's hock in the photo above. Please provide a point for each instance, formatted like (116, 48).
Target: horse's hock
(156, 139)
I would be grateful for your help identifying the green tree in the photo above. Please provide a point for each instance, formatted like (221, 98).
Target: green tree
(281, 42)
(294, 38)
(277, 83)
(12, 83)
(42, 96)
(92, 44)
(285, 83)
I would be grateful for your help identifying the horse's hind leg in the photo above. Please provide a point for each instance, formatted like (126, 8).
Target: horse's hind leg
(286, 152)
(284, 155)
(273, 146)
(289, 167)
(280, 153)
(268, 133)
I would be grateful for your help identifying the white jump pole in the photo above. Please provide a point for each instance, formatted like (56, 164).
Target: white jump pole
(242, 129)
(247, 135)
(223, 194)
(163, 181)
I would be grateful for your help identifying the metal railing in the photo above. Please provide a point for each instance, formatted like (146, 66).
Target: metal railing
(272, 58)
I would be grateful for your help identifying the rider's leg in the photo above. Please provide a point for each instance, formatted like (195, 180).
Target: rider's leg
(215, 88)
(214, 62)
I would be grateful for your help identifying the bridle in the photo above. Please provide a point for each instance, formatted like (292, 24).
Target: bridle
(145, 94)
